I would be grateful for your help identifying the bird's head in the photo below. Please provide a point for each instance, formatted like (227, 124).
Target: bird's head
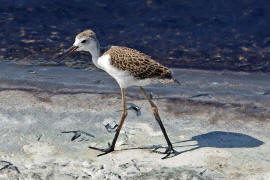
(84, 41)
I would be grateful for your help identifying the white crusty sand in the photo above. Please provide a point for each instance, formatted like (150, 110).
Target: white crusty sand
(218, 122)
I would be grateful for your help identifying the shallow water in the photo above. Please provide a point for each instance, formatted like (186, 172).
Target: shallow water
(211, 34)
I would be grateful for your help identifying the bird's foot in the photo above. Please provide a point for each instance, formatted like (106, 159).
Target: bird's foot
(104, 151)
(169, 150)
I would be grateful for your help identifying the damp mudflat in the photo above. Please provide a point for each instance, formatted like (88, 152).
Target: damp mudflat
(218, 122)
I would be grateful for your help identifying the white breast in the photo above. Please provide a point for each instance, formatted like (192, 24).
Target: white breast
(123, 78)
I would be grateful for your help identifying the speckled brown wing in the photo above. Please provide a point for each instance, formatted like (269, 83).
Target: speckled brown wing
(138, 64)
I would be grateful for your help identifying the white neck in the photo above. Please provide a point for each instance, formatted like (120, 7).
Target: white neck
(95, 52)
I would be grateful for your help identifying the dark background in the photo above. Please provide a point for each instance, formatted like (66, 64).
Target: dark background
(205, 34)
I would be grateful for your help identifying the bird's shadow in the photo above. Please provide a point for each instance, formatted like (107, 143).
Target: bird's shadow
(217, 139)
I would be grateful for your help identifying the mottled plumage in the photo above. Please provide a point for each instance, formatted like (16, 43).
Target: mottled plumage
(137, 64)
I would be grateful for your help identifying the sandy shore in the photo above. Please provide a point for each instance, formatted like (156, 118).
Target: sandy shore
(217, 121)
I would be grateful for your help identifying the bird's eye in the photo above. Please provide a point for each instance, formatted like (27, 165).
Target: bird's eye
(84, 41)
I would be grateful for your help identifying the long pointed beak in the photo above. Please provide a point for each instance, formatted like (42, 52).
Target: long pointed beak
(68, 51)
(71, 50)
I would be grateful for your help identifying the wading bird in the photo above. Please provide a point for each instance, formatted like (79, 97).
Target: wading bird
(128, 67)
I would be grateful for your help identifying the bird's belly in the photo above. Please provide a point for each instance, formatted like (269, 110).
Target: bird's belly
(123, 78)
